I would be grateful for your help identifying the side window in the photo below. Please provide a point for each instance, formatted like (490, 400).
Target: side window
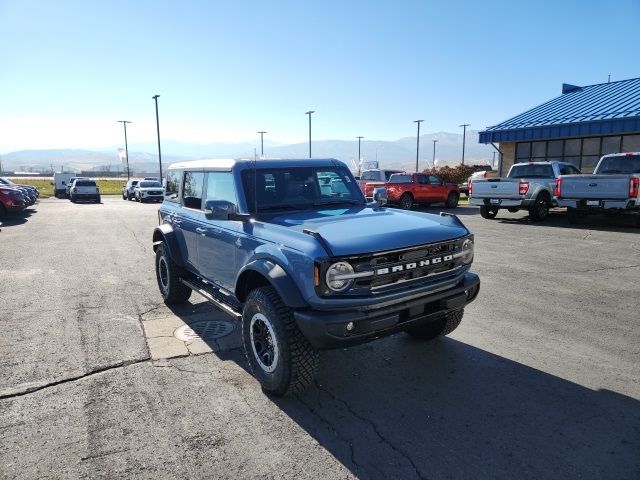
(220, 186)
(192, 189)
(433, 180)
(573, 170)
(423, 179)
(388, 174)
(173, 185)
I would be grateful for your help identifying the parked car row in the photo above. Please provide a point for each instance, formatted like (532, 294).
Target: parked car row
(613, 188)
(408, 189)
(148, 189)
(16, 197)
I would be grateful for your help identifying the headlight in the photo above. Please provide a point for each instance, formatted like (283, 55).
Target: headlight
(334, 275)
(467, 251)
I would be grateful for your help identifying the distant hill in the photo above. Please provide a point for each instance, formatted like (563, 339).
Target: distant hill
(400, 153)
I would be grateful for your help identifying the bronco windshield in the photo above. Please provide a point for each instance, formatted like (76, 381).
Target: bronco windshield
(299, 188)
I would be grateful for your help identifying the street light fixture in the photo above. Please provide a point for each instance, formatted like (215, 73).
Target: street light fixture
(433, 161)
(309, 113)
(126, 146)
(418, 142)
(155, 97)
(262, 143)
(359, 138)
(464, 136)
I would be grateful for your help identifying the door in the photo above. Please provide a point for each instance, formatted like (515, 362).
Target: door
(437, 190)
(217, 238)
(190, 216)
(422, 189)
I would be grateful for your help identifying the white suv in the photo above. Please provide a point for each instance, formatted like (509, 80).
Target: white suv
(148, 191)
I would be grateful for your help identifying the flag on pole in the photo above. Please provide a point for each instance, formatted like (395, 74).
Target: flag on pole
(122, 155)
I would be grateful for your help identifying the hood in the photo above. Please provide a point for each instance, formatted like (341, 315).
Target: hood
(361, 230)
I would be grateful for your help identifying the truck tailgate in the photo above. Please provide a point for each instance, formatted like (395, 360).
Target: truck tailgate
(596, 187)
(495, 188)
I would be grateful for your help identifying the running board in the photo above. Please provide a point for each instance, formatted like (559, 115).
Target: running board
(213, 296)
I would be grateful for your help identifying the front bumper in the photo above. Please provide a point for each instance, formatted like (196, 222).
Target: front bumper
(328, 329)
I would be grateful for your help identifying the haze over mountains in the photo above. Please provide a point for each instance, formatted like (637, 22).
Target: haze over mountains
(143, 157)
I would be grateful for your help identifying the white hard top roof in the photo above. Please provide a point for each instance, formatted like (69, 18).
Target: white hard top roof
(226, 164)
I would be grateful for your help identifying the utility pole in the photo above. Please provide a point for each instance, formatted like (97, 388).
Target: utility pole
(493, 162)
(464, 136)
(309, 113)
(418, 142)
(359, 159)
(126, 146)
(262, 143)
(155, 97)
(433, 161)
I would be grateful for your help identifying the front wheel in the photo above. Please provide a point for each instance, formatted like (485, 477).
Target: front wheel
(488, 213)
(438, 328)
(452, 200)
(280, 357)
(406, 201)
(124, 196)
(168, 276)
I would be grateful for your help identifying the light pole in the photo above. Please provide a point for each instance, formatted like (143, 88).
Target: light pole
(155, 97)
(359, 138)
(464, 136)
(126, 146)
(262, 143)
(418, 142)
(309, 113)
(433, 161)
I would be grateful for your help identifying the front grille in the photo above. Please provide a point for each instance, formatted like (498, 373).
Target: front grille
(154, 193)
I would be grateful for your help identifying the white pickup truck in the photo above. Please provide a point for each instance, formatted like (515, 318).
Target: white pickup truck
(528, 186)
(614, 188)
(84, 189)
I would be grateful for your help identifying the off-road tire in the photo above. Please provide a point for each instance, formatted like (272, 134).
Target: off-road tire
(437, 328)
(297, 360)
(174, 291)
(406, 201)
(452, 200)
(488, 213)
(540, 209)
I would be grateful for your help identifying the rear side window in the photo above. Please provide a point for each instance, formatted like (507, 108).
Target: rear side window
(400, 179)
(173, 186)
(192, 189)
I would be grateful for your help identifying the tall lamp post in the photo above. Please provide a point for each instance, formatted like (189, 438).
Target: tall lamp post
(433, 161)
(417, 142)
(464, 136)
(262, 143)
(126, 146)
(309, 113)
(359, 138)
(155, 97)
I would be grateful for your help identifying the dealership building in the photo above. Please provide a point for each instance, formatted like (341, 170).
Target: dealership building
(578, 127)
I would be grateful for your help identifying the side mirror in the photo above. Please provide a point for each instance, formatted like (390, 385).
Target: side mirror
(223, 210)
(380, 196)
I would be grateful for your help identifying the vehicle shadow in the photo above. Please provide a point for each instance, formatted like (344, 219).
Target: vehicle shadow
(401, 408)
(15, 219)
(558, 219)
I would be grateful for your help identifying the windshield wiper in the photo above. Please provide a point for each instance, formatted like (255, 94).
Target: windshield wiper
(337, 202)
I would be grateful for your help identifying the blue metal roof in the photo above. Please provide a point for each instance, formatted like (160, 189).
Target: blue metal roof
(603, 109)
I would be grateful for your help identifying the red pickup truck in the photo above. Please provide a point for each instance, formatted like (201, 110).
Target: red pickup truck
(406, 189)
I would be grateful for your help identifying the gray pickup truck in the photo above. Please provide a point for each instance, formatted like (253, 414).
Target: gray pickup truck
(528, 186)
(614, 188)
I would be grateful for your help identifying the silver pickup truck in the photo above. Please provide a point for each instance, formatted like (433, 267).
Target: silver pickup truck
(528, 186)
(613, 188)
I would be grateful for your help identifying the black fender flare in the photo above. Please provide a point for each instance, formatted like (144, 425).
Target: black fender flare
(164, 234)
(277, 277)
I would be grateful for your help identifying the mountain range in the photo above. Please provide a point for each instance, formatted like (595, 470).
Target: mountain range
(399, 154)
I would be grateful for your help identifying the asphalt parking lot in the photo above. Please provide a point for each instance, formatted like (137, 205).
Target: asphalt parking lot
(541, 380)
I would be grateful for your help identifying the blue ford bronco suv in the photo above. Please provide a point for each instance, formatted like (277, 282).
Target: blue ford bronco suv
(291, 249)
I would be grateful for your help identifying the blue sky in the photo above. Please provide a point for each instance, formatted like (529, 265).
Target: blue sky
(70, 69)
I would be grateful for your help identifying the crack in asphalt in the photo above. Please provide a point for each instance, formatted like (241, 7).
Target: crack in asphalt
(596, 269)
(95, 371)
(104, 454)
(316, 414)
(375, 429)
